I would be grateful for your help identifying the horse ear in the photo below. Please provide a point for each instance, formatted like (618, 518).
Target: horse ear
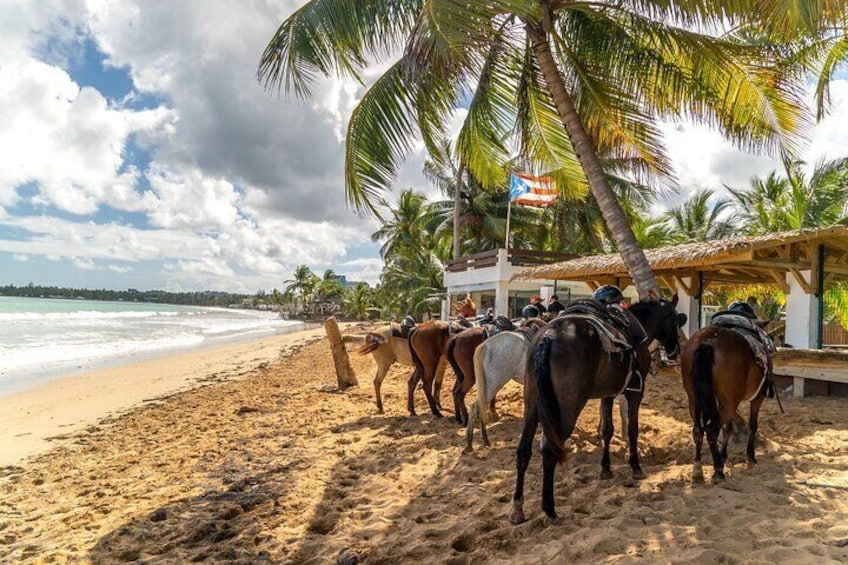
(652, 295)
(674, 300)
(681, 320)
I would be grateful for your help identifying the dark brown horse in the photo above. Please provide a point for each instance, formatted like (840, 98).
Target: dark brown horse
(719, 371)
(427, 345)
(569, 366)
(460, 354)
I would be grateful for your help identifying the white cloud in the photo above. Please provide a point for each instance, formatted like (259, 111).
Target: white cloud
(20, 257)
(118, 269)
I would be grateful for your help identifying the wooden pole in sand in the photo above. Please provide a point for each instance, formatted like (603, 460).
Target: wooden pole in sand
(344, 370)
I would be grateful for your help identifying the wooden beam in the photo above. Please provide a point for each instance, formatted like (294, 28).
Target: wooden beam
(780, 279)
(593, 285)
(831, 275)
(690, 290)
(807, 287)
(772, 264)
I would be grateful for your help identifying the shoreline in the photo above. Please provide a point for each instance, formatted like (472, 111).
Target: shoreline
(37, 419)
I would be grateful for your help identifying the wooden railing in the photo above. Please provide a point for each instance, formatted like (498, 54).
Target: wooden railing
(529, 258)
(516, 257)
(475, 261)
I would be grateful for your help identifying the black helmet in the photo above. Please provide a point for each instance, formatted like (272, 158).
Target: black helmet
(530, 311)
(743, 308)
(608, 294)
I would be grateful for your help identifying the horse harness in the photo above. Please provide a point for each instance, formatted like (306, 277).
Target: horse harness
(618, 332)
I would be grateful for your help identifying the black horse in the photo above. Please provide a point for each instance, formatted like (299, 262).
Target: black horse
(569, 366)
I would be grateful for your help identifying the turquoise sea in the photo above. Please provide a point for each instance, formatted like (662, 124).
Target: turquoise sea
(43, 338)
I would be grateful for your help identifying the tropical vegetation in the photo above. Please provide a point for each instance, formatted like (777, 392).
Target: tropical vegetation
(573, 89)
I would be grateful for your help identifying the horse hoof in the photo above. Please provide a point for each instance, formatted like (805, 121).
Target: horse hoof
(468, 449)
(606, 474)
(517, 517)
(552, 520)
(718, 477)
(751, 463)
(638, 474)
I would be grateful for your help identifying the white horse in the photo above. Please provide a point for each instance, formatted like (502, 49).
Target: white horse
(497, 360)
(385, 349)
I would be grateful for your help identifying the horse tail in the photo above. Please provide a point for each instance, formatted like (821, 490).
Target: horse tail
(702, 373)
(480, 381)
(547, 403)
(452, 359)
(416, 360)
(372, 342)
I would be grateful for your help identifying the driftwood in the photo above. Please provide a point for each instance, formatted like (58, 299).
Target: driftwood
(345, 375)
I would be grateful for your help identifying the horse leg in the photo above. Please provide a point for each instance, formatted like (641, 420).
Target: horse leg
(411, 383)
(606, 430)
(455, 394)
(718, 462)
(428, 392)
(523, 455)
(549, 463)
(437, 383)
(492, 412)
(467, 383)
(698, 438)
(753, 424)
(382, 370)
(634, 399)
(469, 431)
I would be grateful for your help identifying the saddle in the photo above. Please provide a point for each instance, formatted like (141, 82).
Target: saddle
(402, 330)
(498, 325)
(758, 340)
(618, 333)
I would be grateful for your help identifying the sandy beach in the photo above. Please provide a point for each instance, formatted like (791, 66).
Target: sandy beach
(36, 419)
(266, 463)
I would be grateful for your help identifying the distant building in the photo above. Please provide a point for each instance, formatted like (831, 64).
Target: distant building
(351, 284)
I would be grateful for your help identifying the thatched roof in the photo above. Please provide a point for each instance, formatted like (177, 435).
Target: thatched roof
(777, 251)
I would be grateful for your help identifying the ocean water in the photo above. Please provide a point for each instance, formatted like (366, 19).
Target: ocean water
(41, 339)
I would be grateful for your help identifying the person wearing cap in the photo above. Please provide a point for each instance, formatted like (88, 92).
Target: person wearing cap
(536, 301)
(555, 306)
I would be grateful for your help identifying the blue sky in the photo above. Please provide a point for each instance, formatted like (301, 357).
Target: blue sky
(139, 151)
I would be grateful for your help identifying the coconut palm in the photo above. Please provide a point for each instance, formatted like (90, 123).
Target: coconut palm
(358, 302)
(795, 201)
(701, 218)
(570, 80)
(302, 284)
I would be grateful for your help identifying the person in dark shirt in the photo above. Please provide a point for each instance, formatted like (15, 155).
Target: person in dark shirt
(537, 302)
(555, 306)
(530, 311)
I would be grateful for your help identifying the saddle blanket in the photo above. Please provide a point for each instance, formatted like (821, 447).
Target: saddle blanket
(612, 333)
(758, 340)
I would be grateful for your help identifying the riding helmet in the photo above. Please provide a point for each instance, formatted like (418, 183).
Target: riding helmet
(608, 294)
(742, 308)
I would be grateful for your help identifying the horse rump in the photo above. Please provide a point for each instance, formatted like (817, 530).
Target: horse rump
(372, 342)
(702, 377)
(547, 403)
(449, 353)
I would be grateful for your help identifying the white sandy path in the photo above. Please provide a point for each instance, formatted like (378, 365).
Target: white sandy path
(70, 404)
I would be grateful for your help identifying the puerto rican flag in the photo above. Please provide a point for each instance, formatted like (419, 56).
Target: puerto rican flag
(528, 190)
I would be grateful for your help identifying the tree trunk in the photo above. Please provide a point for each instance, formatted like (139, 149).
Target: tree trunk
(457, 204)
(632, 255)
(344, 370)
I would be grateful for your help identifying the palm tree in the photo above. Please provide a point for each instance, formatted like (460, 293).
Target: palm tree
(794, 201)
(698, 219)
(302, 284)
(572, 80)
(358, 302)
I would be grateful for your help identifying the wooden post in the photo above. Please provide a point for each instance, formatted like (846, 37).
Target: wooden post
(344, 370)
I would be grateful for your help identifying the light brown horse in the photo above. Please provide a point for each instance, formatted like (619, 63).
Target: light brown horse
(719, 371)
(386, 350)
(427, 345)
(466, 307)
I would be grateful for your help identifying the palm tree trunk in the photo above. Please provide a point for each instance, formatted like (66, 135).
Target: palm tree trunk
(633, 256)
(457, 204)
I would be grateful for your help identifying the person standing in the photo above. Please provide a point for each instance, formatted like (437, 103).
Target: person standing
(536, 301)
(555, 306)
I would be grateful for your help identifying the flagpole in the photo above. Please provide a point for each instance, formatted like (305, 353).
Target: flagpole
(508, 214)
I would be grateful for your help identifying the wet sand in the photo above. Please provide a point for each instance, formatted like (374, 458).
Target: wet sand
(276, 467)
